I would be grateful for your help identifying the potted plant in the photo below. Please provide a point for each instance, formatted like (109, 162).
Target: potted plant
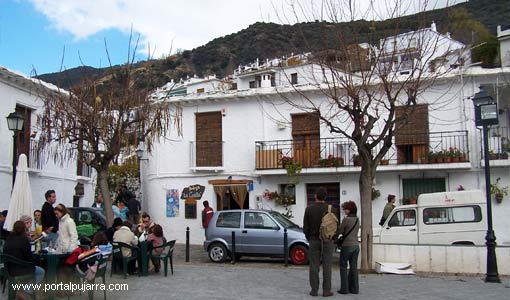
(432, 157)
(331, 161)
(375, 193)
(286, 160)
(356, 160)
(497, 191)
(385, 162)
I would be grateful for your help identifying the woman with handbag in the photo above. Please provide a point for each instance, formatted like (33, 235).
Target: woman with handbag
(349, 245)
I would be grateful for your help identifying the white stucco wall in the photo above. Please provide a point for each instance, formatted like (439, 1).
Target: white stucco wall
(61, 178)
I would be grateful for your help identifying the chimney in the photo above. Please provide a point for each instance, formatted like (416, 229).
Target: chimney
(433, 26)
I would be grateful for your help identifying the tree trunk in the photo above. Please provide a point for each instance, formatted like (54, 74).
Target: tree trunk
(365, 187)
(102, 181)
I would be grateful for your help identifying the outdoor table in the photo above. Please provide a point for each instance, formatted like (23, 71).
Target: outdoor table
(143, 258)
(52, 262)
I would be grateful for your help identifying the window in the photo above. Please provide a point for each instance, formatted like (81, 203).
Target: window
(412, 140)
(293, 78)
(333, 191)
(229, 220)
(209, 145)
(403, 218)
(200, 91)
(445, 215)
(253, 84)
(413, 187)
(259, 221)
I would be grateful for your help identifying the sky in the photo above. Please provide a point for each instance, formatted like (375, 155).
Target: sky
(45, 36)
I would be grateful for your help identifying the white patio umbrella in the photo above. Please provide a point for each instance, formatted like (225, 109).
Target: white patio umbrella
(21, 197)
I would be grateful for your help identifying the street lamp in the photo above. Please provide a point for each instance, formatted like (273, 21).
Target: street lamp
(486, 113)
(15, 123)
(140, 152)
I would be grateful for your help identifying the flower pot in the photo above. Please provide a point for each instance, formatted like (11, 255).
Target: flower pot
(498, 197)
(385, 162)
(448, 159)
(357, 162)
(455, 159)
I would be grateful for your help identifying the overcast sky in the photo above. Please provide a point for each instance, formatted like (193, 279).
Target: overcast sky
(34, 33)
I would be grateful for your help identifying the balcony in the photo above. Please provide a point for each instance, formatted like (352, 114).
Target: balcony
(499, 146)
(206, 156)
(435, 149)
(35, 157)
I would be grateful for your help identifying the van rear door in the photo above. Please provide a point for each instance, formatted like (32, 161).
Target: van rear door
(401, 227)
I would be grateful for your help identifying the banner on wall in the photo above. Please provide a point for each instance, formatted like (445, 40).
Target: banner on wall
(172, 203)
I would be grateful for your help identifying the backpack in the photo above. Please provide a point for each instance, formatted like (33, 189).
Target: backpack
(329, 225)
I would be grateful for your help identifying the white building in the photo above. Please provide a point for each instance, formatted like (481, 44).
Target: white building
(235, 141)
(504, 42)
(70, 181)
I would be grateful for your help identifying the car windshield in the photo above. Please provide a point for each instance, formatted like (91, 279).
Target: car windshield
(283, 220)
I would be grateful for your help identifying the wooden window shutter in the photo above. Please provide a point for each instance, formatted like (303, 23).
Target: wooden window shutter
(209, 145)
(416, 131)
(305, 123)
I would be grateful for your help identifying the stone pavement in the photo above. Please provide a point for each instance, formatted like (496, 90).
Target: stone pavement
(269, 279)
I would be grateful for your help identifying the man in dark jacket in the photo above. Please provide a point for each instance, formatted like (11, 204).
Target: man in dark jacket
(3, 232)
(134, 210)
(320, 250)
(48, 218)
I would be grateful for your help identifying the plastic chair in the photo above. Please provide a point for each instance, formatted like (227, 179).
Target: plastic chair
(12, 280)
(117, 254)
(101, 262)
(168, 250)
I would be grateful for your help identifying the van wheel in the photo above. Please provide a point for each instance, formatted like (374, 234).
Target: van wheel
(217, 253)
(299, 255)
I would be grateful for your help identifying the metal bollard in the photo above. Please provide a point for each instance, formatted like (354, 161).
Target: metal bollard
(187, 244)
(233, 247)
(285, 247)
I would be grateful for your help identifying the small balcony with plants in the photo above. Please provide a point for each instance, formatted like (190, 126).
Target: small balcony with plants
(340, 155)
(499, 146)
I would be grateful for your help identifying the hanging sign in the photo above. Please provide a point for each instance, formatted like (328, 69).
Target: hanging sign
(193, 191)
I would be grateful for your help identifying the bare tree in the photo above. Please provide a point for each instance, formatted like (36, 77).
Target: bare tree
(367, 90)
(100, 119)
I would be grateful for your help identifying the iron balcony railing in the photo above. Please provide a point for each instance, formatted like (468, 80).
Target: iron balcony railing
(499, 143)
(434, 147)
(35, 157)
(207, 154)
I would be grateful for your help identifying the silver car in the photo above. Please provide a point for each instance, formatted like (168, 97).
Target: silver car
(257, 233)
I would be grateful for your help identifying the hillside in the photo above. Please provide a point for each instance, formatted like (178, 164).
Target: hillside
(267, 40)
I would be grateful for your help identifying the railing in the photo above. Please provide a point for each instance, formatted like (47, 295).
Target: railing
(435, 147)
(499, 143)
(86, 171)
(35, 157)
(206, 154)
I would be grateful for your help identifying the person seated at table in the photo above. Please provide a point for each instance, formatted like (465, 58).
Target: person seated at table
(27, 220)
(117, 222)
(125, 235)
(156, 239)
(145, 227)
(3, 233)
(18, 245)
(100, 241)
(37, 223)
(67, 239)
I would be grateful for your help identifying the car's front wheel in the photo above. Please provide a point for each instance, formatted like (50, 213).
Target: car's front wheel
(299, 255)
(217, 252)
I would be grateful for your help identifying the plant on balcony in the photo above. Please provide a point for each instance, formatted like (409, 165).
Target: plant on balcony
(384, 162)
(356, 160)
(331, 161)
(287, 160)
(499, 192)
(493, 155)
(505, 145)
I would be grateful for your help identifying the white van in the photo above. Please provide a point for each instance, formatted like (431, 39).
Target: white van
(446, 218)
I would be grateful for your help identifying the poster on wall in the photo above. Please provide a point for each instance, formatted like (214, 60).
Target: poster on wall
(193, 191)
(172, 203)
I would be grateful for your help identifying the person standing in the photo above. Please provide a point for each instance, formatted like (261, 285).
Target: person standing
(134, 210)
(388, 208)
(98, 203)
(207, 214)
(349, 283)
(320, 251)
(67, 235)
(48, 218)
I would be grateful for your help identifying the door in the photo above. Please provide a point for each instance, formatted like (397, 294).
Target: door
(261, 234)
(306, 139)
(226, 223)
(400, 228)
(209, 145)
